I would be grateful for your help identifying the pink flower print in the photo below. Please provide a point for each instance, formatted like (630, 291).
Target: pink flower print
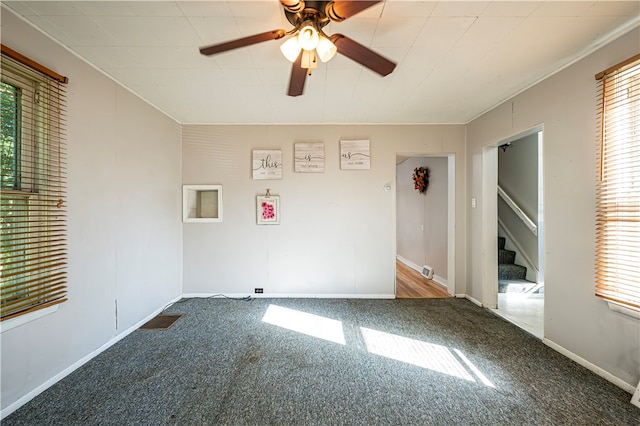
(268, 211)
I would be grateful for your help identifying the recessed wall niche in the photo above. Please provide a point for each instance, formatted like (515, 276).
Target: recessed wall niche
(202, 203)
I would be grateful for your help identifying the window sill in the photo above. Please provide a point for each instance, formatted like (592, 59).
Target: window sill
(23, 319)
(625, 310)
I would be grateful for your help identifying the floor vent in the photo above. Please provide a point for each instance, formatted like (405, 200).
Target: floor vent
(427, 272)
(161, 322)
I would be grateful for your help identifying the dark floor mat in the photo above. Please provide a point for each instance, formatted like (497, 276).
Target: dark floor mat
(160, 322)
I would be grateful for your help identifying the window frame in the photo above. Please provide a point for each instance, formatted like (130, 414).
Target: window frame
(618, 188)
(33, 276)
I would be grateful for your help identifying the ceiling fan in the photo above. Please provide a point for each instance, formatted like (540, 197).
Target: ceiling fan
(309, 43)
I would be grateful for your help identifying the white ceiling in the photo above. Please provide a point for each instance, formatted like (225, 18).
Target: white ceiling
(456, 59)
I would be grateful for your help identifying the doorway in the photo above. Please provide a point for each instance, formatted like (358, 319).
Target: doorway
(425, 264)
(517, 275)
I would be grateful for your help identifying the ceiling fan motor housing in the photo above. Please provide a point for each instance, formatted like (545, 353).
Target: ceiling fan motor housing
(302, 12)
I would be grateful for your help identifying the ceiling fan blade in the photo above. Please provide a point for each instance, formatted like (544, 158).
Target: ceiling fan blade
(242, 42)
(362, 55)
(339, 10)
(298, 78)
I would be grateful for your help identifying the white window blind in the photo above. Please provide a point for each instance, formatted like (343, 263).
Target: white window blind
(33, 246)
(618, 188)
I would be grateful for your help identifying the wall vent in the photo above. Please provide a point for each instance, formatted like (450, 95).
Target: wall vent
(427, 272)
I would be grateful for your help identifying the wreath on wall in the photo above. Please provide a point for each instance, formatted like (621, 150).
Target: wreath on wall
(421, 179)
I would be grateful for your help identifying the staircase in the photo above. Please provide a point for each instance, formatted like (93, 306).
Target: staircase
(511, 277)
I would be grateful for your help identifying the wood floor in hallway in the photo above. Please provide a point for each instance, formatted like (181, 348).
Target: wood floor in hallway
(411, 284)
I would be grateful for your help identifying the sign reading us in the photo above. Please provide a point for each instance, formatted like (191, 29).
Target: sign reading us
(309, 157)
(267, 164)
(355, 155)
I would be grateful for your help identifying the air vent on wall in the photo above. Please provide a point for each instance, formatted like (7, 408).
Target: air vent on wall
(427, 272)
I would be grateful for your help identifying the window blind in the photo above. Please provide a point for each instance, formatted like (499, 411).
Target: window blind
(33, 246)
(618, 187)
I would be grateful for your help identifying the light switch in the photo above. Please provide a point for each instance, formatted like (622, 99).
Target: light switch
(474, 203)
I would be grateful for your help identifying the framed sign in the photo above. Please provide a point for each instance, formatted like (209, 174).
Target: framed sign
(268, 209)
(267, 164)
(309, 157)
(355, 155)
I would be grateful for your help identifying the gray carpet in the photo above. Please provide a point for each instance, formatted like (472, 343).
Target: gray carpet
(403, 362)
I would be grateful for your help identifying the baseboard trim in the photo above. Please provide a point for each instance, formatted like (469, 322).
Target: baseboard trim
(440, 281)
(590, 366)
(73, 367)
(288, 296)
(477, 302)
(409, 263)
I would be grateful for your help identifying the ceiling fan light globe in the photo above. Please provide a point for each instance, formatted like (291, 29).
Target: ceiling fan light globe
(291, 49)
(326, 49)
(308, 37)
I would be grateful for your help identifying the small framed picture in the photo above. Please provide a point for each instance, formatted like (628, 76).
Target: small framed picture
(355, 155)
(309, 157)
(267, 164)
(268, 209)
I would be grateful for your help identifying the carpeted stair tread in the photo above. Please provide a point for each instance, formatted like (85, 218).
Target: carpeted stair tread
(510, 271)
(506, 256)
(507, 269)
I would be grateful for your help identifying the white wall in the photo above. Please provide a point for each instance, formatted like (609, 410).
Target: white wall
(421, 228)
(124, 221)
(565, 104)
(337, 231)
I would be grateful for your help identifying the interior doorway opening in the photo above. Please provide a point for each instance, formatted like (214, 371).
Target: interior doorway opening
(425, 232)
(515, 174)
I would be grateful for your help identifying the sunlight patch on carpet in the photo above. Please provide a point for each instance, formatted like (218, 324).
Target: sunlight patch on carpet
(422, 354)
(473, 368)
(302, 322)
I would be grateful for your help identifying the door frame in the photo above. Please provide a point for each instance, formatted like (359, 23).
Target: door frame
(451, 214)
(490, 214)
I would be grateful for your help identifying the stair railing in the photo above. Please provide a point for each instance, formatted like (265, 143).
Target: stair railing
(518, 211)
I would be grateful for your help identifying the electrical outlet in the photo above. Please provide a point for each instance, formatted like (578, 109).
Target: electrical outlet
(258, 290)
